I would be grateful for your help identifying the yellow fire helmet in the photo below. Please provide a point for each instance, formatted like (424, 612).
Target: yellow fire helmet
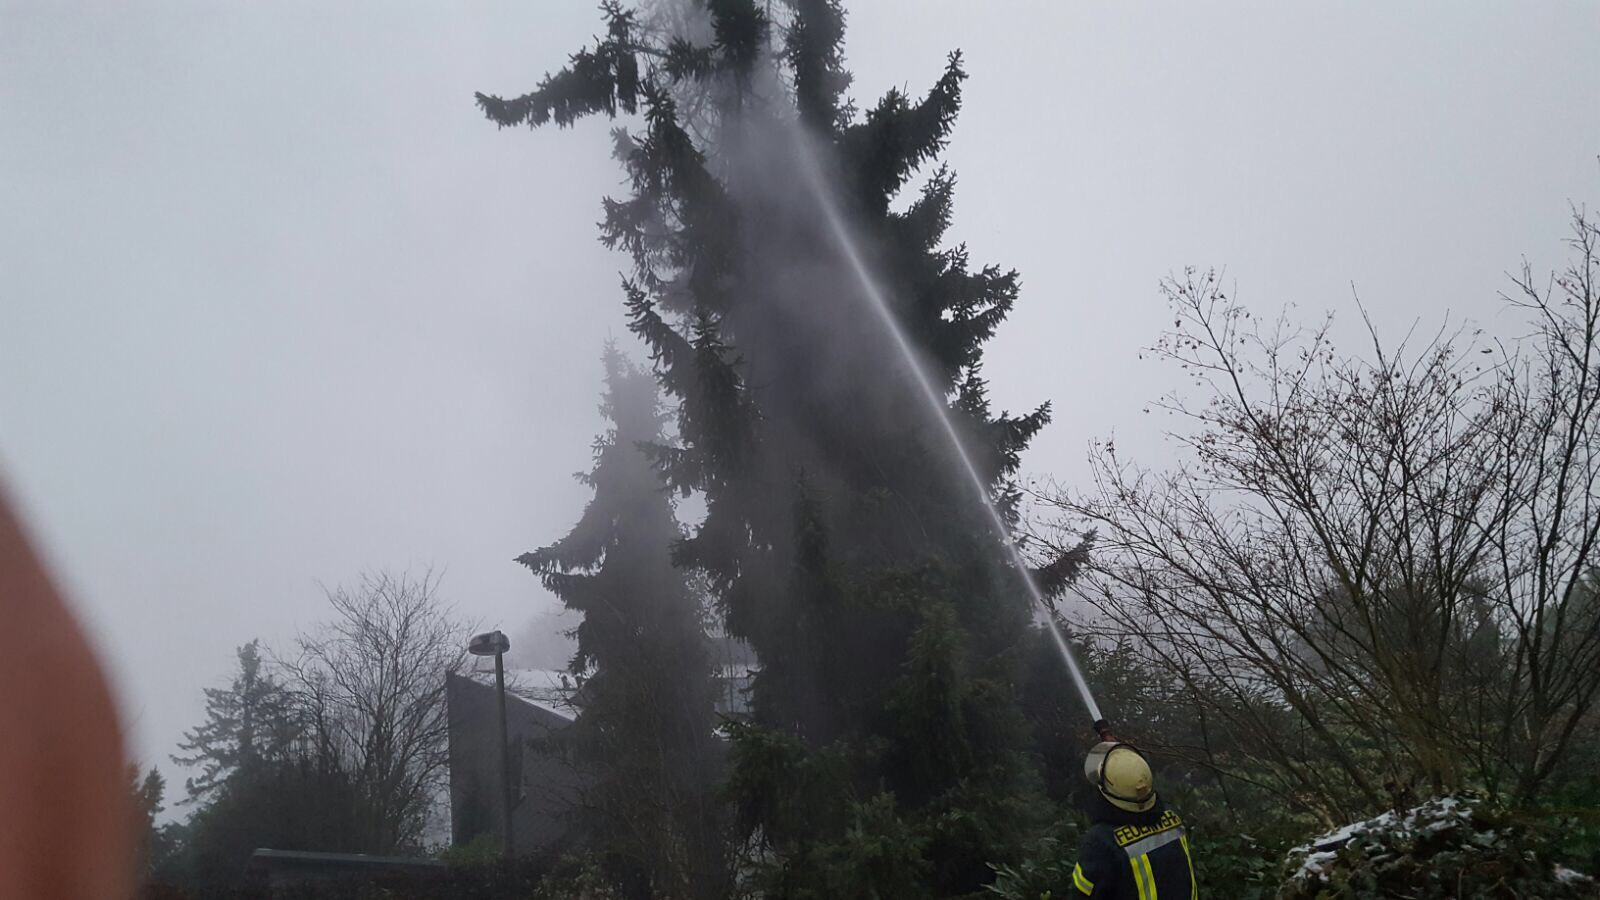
(1121, 775)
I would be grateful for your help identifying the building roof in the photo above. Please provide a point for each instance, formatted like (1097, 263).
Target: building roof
(543, 689)
(265, 857)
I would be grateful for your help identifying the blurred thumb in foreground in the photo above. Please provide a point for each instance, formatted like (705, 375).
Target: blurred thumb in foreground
(65, 813)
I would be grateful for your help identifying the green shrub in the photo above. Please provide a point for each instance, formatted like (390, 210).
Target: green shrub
(481, 850)
(1237, 866)
(1571, 838)
(1045, 871)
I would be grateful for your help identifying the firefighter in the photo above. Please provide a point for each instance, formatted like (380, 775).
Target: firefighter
(1136, 847)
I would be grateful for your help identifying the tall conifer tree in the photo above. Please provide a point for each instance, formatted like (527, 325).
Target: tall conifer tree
(886, 755)
(645, 735)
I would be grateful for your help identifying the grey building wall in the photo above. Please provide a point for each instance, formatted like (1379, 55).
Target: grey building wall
(546, 785)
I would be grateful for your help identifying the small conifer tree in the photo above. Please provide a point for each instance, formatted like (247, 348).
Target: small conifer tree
(645, 734)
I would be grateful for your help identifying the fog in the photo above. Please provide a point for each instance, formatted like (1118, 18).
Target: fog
(278, 305)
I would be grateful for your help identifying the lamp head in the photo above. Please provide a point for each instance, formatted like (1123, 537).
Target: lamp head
(490, 643)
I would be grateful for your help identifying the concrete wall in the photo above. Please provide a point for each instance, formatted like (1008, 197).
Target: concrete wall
(547, 787)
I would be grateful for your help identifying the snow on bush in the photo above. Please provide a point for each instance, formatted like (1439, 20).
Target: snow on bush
(1452, 847)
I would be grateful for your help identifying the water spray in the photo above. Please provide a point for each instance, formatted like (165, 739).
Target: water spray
(936, 402)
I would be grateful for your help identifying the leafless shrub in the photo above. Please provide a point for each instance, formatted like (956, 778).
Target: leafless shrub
(1376, 570)
(370, 687)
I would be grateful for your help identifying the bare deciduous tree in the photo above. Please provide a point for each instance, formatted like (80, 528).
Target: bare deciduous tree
(370, 685)
(1375, 570)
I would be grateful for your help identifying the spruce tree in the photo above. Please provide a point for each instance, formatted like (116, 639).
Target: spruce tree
(156, 844)
(645, 734)
(886, 755)
(249, 724)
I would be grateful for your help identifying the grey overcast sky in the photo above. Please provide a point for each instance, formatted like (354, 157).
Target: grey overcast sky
(278, 305)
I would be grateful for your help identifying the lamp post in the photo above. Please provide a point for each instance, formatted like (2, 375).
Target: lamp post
(495, 643)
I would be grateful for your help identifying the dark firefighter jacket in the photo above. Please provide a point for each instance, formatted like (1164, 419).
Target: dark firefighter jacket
(1134, 856)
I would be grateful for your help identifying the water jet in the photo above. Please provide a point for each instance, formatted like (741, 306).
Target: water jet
(934, 397)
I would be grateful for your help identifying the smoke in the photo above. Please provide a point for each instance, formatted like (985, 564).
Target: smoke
(814, 355)
(827, 346)
(543, 641)
(826, 375)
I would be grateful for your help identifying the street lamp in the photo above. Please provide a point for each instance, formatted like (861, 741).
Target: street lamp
(495, 644)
